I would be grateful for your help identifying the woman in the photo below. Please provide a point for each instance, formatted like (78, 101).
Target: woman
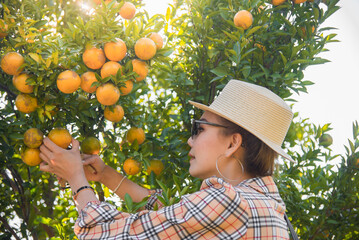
(233, 147)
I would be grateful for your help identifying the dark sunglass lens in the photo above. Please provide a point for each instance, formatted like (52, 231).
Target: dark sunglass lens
(194, 128)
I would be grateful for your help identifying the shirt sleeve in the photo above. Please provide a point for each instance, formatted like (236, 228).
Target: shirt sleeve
(215, 210)
(152, 201)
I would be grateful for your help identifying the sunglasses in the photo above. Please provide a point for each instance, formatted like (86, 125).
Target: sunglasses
(197, 123)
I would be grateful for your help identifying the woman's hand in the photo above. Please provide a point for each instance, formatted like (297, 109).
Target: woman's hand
(94, 167)
(64, 163)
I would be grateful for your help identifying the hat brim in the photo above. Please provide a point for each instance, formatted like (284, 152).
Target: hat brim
(275, 147)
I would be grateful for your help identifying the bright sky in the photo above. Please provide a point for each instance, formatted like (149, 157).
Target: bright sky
(334, 96)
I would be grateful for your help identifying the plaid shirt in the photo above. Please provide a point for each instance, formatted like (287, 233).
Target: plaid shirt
(251, 210)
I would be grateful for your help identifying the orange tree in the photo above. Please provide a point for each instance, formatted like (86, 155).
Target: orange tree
(69, 39)
(79, 67)
(270, 44)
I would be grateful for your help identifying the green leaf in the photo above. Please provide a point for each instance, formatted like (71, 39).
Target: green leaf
(253, 30)
(36, 57)
(129, 202)
(220, 71)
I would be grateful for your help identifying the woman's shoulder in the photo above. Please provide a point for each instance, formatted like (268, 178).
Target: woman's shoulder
(254, 186)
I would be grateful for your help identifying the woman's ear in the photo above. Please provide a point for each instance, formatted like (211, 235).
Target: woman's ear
(234, 144)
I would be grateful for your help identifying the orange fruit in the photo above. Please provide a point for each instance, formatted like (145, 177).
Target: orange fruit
(19, 81)
(94, 58)
(243, 19)
(115, 51)
(357, 162)
(114, 115)
(110, 68)
(107, 94)
(126, 89)
(3, 28)
(98, 2)
(128, 10)
(156, 166)
(157, 39)
(31, 156)
(33, 138)
(61, 137)
(68, 81)
(141, 68)
(25, 103)
(131, 166)
(11, 62)
(91, 145)
(136, 134)
(299, 1)
(145, 48)
(325, 140)
(87, 79)
(278, 2)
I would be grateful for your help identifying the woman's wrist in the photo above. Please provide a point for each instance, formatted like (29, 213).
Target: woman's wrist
(106, 175)
(77, 181)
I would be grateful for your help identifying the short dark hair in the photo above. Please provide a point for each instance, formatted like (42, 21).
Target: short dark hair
(259, 158)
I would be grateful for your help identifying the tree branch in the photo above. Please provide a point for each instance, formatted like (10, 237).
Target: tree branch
(6, 89)
(9, 228)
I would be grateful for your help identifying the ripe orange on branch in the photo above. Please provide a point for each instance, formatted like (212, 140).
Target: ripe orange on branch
(87, 79)
(98, 2)
(115, 51)
(131, 166)
(157, 39)
(25, 103)
(114, 115)
(127, 11)
(110, 68)
(243, 19)
(20, 84)
(145, 48)
(11, 62)
(91, 145)
(126, 89)
(278, 2)
(68, 81)
(94, 58)
(33, 138)
(136, 134)
(31, 156)
(299, 1)
(141, 68)
(107, 94)
(61, 137)
(156, 166)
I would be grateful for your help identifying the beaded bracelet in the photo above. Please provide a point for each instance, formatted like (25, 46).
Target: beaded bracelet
(118, 186)
(74, 196)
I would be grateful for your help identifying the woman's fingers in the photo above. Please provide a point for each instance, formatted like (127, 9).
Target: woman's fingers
(45, 167)
(51, 145)
(45, 153)
(75, 145)
(89, 159)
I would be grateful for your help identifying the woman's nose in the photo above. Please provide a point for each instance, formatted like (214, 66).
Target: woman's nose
(190, 141)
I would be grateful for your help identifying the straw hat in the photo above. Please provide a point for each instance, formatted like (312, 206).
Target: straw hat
(256, 109)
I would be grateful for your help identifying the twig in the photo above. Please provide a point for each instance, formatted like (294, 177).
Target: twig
(8, 227)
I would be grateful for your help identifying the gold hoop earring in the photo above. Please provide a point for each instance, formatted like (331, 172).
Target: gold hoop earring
(228, 179)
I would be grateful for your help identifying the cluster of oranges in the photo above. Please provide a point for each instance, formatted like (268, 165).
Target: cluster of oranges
(106, 60)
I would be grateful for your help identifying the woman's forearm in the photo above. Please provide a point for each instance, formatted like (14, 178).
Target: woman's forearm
(111, 179)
